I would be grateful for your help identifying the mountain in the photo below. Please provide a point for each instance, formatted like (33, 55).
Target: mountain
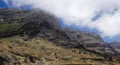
(29, 26)
(36, 22)
(89, 40)
(116, 46)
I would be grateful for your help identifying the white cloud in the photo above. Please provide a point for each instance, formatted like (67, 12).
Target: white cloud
(81, 12)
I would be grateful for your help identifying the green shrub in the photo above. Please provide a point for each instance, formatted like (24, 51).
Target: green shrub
(7, 29)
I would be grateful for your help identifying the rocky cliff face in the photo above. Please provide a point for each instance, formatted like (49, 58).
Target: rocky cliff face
(89, 40)
(37, 23)
(116, 46)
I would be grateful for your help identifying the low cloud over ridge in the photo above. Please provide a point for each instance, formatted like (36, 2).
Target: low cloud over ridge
(102, 15)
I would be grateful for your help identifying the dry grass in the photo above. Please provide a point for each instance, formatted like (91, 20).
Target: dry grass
(45, 52)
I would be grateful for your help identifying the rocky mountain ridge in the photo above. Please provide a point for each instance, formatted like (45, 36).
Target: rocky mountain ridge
(31, 23)
(116, 46)
(37, 23)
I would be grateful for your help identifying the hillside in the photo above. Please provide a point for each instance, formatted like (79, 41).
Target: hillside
(116, 46)
(17, 51)
(28, 36)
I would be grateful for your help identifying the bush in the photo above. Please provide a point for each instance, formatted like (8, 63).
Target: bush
(8, 29)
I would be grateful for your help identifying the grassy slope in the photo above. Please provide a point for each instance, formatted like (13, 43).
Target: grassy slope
(39, 50)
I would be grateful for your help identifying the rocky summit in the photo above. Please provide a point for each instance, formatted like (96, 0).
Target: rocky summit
(35, 37)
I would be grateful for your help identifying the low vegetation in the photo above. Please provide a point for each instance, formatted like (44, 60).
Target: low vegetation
(16, 50)
(7, 29)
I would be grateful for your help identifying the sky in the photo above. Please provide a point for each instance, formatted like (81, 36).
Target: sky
(2, 4)
(99, 16)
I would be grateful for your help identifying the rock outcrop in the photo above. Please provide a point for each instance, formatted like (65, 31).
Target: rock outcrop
(89, 40)
(116, 46)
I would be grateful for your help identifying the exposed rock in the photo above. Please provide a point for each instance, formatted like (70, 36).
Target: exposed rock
(4, 59)
(43, 51)
(37, 22)
(116, 46)
(89, 40)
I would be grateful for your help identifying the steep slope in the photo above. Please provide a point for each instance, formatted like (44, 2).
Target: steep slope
(30, 23)
(116, 46)
(36, 51)
(89, 40)
(40, 24)
(34, 23)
